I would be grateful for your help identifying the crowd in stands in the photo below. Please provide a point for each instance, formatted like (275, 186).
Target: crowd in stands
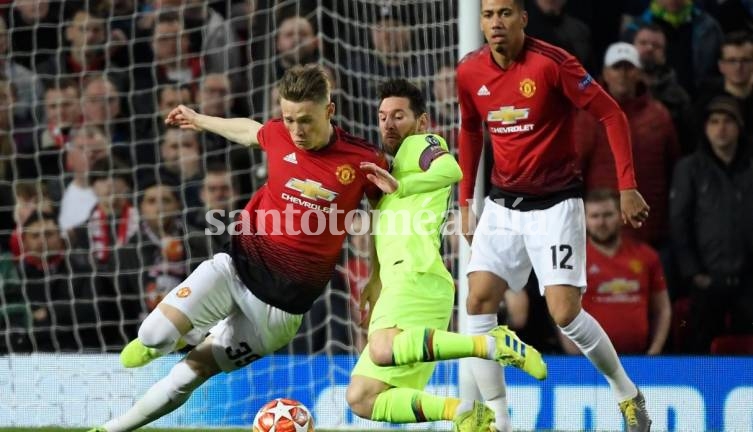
(103, 209)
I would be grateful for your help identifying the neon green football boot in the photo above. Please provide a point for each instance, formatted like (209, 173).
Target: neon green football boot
(136, 354)
(480, 418)
(512, 351)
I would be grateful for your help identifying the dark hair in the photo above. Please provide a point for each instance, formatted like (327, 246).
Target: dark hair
(600, 195)
(110, 168)
(650, 26)
(304, 83)
(736, 38)
(399, 87)
(37, 216)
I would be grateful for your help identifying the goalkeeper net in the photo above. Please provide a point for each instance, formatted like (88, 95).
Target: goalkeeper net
(103, 208)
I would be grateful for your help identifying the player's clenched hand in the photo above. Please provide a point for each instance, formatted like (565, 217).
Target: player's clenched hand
(467, 223)
(380, 177)
(183, 117)
(634, 207)
(369, 297)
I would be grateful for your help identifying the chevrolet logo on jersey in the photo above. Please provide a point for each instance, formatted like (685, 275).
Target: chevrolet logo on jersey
(311, 189)
(508, 115)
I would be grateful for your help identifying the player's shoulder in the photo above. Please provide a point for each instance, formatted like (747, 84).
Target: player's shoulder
(472, 59)
(545, 51)
(425, 140)
(357, 144)
(275, 123)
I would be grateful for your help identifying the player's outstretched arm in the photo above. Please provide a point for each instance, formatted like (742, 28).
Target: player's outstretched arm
(240, 130)
(443, 171)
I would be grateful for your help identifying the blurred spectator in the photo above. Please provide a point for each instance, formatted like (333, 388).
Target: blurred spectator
(112, 221)
(693, 39)
(31, 196)
(180, 163)
(62, 110)
(711, 210)
(101, 107)
(14, 315)
(655, 147)
(445, 116)
(88, 144)
(661, 79)
(218, 196)
(7, 145)
(173, 60)
(86, 33)
(626, 291)
(391, 55)
(214, 97)
(296, 43)
(158, 256)
(33, 26)
(736, 66)
(548, 21)
(92, 250)
(28, 87)
(210, 35)
(44, 277)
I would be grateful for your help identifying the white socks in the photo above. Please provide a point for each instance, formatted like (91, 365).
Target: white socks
(163, 397)
(594, 343)
(158, 332)
(489, 375)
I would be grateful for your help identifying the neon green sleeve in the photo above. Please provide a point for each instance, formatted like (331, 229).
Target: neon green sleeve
(443, 171)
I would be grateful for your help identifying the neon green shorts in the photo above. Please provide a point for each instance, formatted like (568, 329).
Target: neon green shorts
(407, 301)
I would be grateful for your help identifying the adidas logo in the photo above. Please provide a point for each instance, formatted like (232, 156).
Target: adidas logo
(483, 91)
(291, 158)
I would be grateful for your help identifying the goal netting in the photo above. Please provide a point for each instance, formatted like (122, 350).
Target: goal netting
(102, 209)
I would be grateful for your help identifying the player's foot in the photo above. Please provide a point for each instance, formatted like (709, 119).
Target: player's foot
(97, 429)
(480, 418)
(512, 351)
(136, 354)
(635, 414)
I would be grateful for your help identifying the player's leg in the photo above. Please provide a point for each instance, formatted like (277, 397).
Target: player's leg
(171, 391)
(393, 394)
(497, 258)
(411, 302)
(199, 302)
(558, 254)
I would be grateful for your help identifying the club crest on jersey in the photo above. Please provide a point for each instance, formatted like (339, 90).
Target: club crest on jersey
(508, 115)
(183, 292)
(345, 174)
(636, 266)
(311, 189)
(527, 87)
(432, 140)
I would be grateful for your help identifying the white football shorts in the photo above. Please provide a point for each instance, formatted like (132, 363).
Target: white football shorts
(243, 327)
(509, 243)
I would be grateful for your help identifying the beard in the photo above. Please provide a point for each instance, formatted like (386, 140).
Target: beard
(607, 241)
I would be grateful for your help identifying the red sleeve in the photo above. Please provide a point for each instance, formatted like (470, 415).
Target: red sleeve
(470, 143)
(585, 93)
(371, 190)
(260, 136)
(604, 108)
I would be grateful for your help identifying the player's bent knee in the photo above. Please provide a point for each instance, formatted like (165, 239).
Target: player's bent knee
(359, 400)
(381, 354)
(485, 293)
(157, 331)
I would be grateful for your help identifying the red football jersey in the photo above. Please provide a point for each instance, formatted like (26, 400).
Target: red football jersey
(295, 223)
(619, 289)
(529, 113)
